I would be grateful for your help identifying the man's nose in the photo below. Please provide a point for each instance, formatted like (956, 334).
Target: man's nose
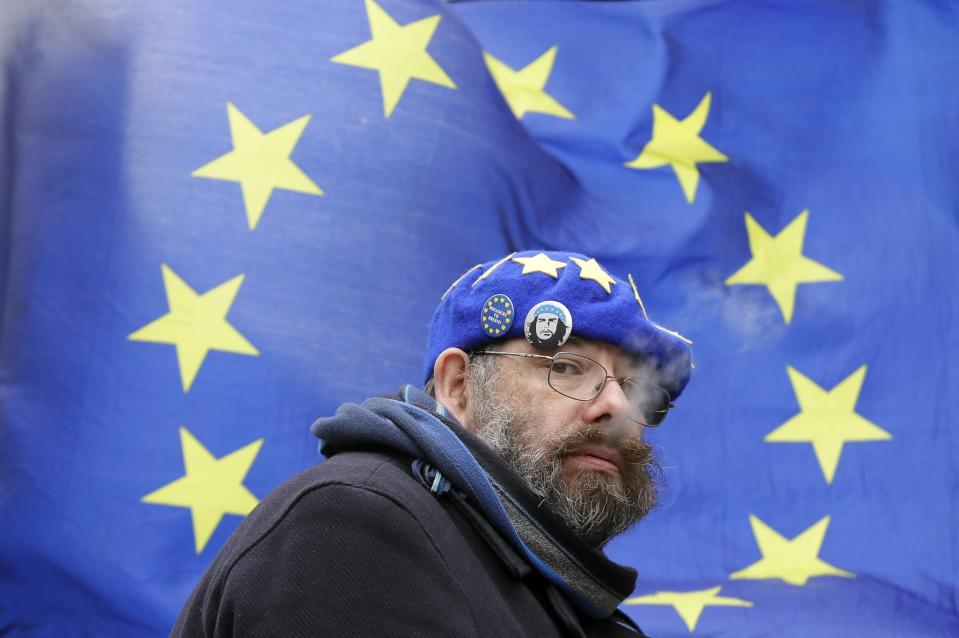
(611, 405)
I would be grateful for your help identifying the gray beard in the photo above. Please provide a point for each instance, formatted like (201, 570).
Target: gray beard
(599, 506)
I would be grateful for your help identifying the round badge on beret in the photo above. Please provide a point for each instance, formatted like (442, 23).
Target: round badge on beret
(548, 325)
(497, 315)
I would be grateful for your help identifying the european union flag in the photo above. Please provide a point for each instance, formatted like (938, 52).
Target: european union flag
(220, 222)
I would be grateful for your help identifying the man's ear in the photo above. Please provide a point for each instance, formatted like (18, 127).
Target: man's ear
(450, 383)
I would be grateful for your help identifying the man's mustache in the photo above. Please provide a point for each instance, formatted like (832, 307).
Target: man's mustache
(634, 452)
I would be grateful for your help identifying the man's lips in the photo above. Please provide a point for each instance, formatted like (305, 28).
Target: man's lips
(600, 458)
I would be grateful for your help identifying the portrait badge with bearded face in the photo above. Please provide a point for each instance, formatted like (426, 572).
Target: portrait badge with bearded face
(548, 325)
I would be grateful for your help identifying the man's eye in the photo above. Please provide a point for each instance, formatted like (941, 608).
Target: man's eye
(564, 367)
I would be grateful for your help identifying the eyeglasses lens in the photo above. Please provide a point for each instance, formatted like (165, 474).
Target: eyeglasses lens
(649, 403)
(581, 378)
(575, 376)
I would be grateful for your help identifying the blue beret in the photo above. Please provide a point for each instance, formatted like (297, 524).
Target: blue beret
(490, 302)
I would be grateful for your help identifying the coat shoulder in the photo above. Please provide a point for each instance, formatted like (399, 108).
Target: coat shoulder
(322, 502)
(325, 547)
(370, 471)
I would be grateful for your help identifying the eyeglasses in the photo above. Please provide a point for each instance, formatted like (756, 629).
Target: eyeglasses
(583, 379)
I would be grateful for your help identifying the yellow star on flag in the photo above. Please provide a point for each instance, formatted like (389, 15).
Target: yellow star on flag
(778, 263)
(827, 419)
(689, 604)
(260, 162)
(210, 488)
(794, 561)
(524, 90)
(196, 324)
(592, 270)
(540, 263)
(677, 143)
(398, 53)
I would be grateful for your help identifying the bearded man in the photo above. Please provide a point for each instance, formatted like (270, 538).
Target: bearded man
(479, 507)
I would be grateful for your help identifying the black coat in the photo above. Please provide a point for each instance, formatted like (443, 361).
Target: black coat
(358, 546)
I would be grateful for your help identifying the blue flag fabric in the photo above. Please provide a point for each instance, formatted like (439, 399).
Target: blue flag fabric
(219, 223)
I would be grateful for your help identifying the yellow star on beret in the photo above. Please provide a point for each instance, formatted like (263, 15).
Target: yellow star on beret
(540, 263)
(592, 270)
